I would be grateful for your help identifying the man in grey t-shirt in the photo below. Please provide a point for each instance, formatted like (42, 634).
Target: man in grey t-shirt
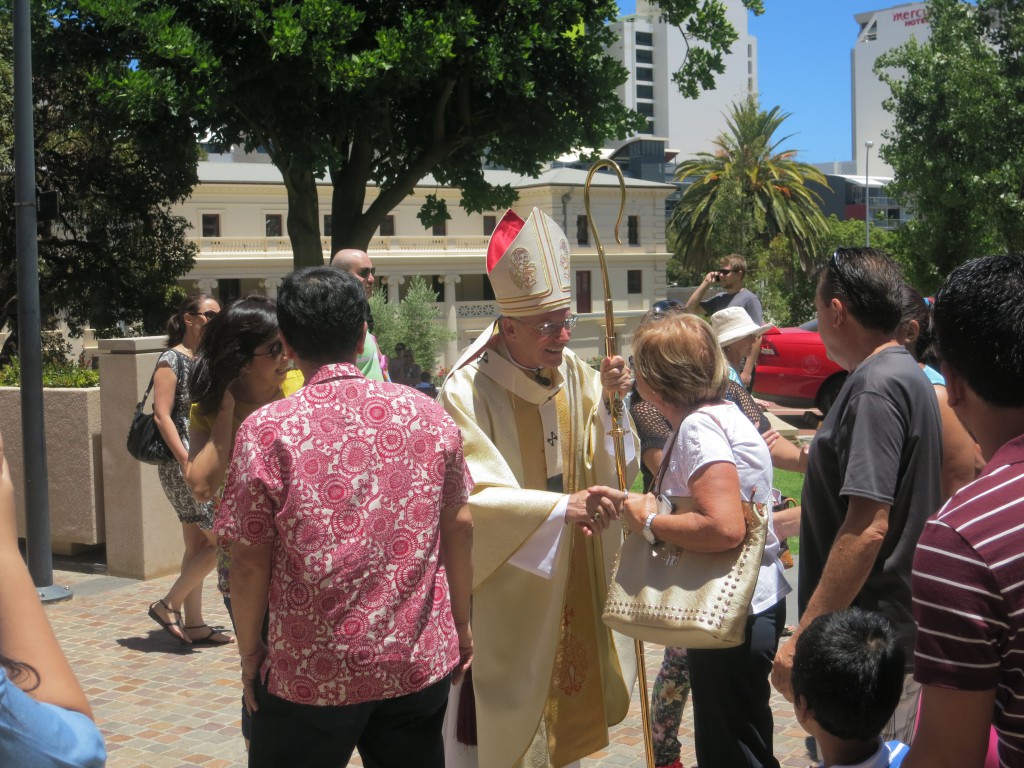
(873, 469)
(730, 275)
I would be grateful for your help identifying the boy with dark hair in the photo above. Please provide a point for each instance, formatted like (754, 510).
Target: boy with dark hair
(847, 681)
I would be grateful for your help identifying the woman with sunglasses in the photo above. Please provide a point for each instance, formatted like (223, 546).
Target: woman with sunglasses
(171, 402)
(241, 365)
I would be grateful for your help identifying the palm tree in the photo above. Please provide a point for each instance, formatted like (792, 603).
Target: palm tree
(747, 170)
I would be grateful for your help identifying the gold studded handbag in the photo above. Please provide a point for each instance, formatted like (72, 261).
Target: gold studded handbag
(672, 596)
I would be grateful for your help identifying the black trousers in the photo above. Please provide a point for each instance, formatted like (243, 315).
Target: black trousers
(394, 733)
(732, 714)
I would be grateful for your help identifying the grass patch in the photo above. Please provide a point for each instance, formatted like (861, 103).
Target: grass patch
(790, 484)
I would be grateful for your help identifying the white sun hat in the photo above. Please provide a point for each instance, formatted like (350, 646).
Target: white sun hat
(733, 323)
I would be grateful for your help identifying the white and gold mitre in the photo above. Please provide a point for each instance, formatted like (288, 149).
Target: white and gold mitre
(528, 264)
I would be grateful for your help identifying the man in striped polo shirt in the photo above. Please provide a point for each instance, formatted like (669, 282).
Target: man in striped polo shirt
(968, 577)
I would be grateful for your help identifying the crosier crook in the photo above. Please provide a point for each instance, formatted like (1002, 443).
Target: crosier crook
(615, 408)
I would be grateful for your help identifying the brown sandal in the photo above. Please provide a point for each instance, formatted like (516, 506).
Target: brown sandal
(169, 626)
(207, 639)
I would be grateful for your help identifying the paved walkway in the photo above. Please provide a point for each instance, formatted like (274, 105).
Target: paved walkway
(163, 704)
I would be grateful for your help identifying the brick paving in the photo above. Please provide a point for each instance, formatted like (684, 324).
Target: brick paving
(160, 703)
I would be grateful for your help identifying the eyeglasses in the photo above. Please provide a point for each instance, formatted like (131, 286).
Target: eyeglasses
(666, 305)
(276, 350)
(208, 314)
(728, 271)
(365, 272)
(551, 330)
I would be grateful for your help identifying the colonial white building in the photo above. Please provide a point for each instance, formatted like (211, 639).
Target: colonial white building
(239, 213)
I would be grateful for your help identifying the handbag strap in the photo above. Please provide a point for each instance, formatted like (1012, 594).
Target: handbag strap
(666, 455)
(142, 402)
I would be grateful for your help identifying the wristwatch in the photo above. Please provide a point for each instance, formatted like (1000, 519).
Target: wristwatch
(648, 532)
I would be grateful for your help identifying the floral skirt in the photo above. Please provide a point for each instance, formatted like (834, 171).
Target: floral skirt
(178, 493)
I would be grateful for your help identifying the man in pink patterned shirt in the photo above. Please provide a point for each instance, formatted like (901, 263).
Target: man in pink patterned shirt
(346, 508)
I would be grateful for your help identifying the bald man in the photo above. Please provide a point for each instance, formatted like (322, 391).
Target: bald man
(358, 263)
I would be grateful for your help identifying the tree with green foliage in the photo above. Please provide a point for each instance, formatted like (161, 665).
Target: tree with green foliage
(414, 321)
(748, 191)
(957, 142)
(383, 93)
(116, 251)
(786, 287)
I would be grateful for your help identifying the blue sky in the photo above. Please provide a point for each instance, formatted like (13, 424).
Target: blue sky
(804, 67)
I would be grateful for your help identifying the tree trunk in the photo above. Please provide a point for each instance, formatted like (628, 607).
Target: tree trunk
(303, 217)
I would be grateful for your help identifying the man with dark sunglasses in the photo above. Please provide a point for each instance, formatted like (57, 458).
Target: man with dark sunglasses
(730, 275)
(358, 263)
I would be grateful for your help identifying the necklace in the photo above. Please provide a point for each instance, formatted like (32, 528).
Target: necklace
(544, 381)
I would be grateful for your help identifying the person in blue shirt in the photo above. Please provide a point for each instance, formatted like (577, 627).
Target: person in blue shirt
(45, 719)
(847, 680)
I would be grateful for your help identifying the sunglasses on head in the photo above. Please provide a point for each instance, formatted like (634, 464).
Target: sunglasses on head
(208, 314)
(666, 305)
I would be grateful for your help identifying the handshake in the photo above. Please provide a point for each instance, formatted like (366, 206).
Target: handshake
(594, 508)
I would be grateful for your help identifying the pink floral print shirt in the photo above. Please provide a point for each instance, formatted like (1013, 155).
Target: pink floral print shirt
(347, 479)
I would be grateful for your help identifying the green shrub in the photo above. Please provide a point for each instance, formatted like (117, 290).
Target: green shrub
(54, 375)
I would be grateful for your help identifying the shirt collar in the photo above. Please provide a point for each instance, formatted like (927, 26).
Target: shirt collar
(330, 371)
(1011, 452)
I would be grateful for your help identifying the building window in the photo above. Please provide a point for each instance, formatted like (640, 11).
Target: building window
(644, 57)
(387, 227)
(328, 229)
(634, 281)
(633, 227)
(228, 290)
(644, 38)
(650, 127)
(273, 224)
(490, 222)
(582, 232)
(211, 225)
(645, 91)
(583, 302)
(440, 229)
(437, 284)
(645, 108)
(645, 74)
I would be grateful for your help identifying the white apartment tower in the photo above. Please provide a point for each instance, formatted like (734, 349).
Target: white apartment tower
(879, 32)
(653, 50)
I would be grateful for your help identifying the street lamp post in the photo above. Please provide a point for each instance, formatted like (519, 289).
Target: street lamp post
(867, 197)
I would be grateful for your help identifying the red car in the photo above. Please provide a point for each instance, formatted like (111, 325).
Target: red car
(793, 369)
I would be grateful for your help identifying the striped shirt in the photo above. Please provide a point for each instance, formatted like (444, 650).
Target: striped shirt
(968, 594)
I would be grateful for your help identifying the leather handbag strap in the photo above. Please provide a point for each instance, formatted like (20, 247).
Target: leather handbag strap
(666, 455)
(142, 402)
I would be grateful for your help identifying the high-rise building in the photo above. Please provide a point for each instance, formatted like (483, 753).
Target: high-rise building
(653, 51)
(880, 31)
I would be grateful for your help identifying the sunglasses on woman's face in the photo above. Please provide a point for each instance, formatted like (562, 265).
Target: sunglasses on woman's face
(208, 314)
(274, 350)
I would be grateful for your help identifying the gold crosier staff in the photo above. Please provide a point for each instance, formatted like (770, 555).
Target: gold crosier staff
(615, 406)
